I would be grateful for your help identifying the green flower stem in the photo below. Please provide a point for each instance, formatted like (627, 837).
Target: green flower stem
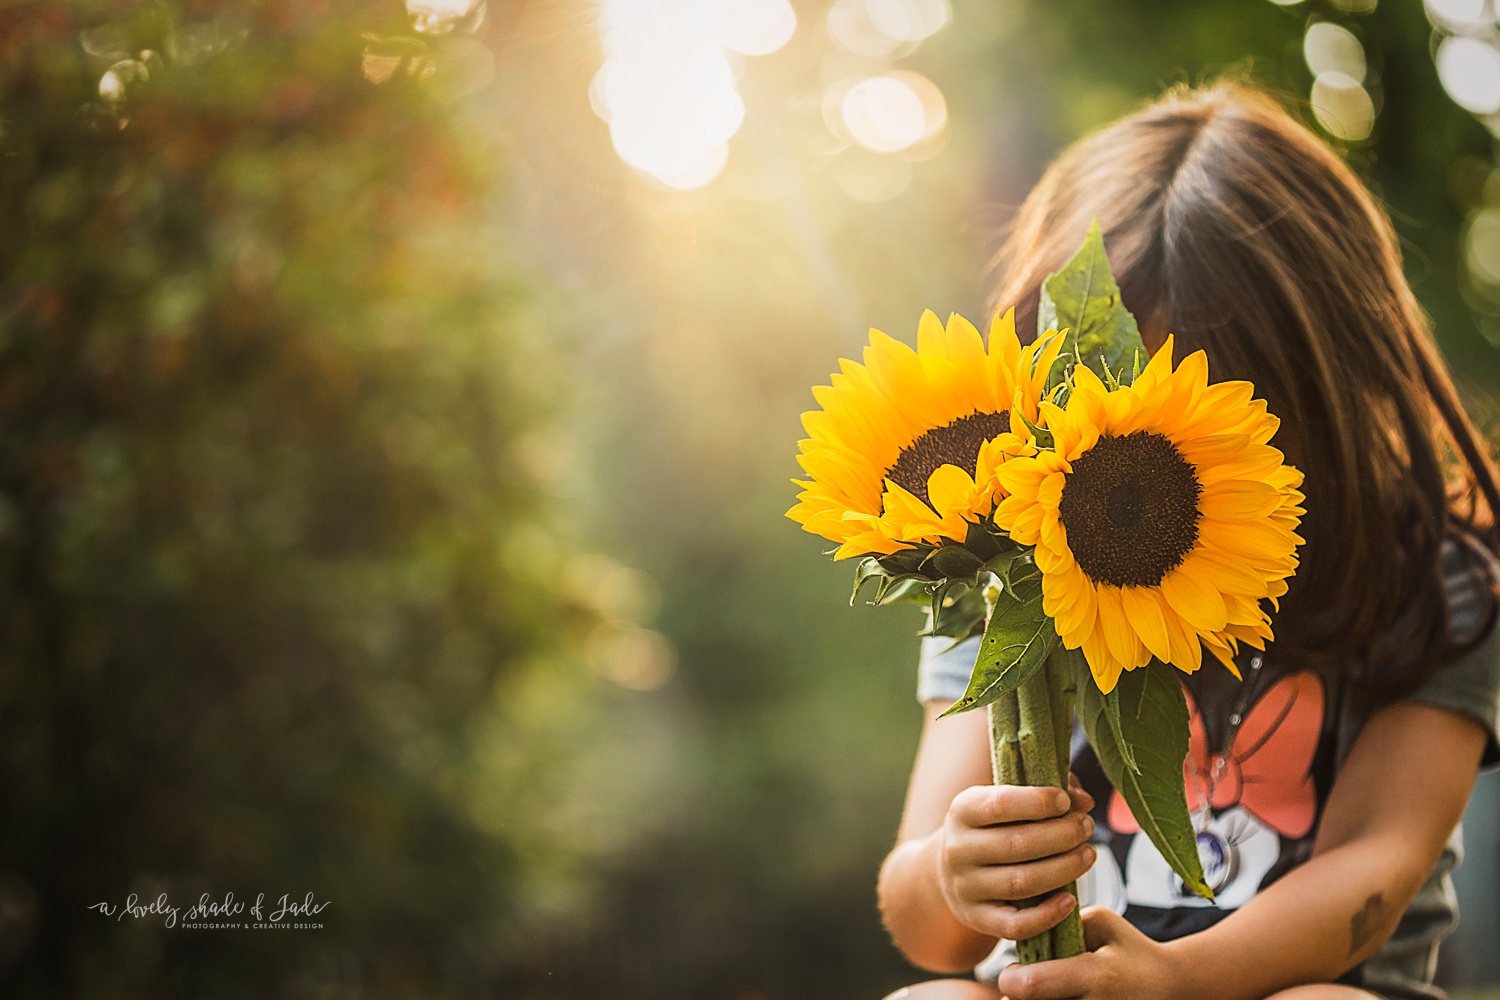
(1037, 736)
(1026, 749)
(1061, 693)
(1005, 751)
(1067, 937)
(1008, 765)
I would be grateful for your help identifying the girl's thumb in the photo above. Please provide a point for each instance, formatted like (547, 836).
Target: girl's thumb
(1102, 927)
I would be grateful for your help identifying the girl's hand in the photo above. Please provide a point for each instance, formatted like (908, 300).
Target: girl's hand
(1121, 964)
(1001, 843)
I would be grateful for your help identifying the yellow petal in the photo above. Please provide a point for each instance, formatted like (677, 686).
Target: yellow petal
(1196, 602)
(1145, 615)
(950, 490)
(1102, 663)
(1123, 642)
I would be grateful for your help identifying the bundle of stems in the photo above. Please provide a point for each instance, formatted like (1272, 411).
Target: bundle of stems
(1031, 731)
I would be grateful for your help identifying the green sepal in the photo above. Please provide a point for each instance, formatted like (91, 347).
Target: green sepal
(1084, 300)
(1016, 642)
(999, 566)
(1020, 571)
(1154, 723)
(960, 615)
(1044, 338)
(902, 588)
(953, 562)
(984, 543)
(869, 568)
(1042, 435)
(905, 562)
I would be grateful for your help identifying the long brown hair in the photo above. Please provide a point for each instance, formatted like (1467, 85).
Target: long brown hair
(1233, 227)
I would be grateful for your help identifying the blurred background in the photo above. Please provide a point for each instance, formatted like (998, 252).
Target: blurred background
(397, 403)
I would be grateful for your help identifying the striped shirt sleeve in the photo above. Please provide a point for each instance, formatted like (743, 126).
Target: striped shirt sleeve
(1469, 684)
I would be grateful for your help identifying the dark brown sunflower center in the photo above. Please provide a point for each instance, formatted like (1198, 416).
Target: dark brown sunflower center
(957, 444)
(1131, 509)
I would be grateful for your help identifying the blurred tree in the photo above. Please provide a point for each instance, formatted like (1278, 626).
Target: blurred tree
(277, 566)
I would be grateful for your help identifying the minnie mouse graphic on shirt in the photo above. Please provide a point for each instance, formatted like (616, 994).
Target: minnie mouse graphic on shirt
(1254, 801)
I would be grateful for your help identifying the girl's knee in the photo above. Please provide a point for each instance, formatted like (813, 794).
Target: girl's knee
(946, 989)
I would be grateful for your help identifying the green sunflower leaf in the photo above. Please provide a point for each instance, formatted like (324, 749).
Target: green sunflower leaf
(1016, 643)
(1112, 714)
(1084, 300)
(1153, 721)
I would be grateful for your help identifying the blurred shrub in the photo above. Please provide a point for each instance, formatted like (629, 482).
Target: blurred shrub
(275, 563)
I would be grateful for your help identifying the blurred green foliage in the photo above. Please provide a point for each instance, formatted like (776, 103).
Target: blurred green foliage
(279, 574)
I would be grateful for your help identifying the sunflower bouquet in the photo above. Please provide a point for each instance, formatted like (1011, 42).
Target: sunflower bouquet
(1097, 521)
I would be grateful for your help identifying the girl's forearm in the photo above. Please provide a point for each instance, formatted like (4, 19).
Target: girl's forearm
(1312, 925)
(916, 915)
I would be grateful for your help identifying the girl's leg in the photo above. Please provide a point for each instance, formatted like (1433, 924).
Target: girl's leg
(947, 989)
(1322, 991)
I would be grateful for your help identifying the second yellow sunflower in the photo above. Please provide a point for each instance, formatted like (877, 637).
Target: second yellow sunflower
(1161, 519)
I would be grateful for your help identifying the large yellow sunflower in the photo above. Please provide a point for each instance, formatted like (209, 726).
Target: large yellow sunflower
(905, 446)
(1161, 520)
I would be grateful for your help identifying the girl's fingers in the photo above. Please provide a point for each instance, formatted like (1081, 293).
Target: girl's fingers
(1032, 878)
(1021, 842)
(988, 805)
(1016, 923)
(1061, 979)
(1082, 800)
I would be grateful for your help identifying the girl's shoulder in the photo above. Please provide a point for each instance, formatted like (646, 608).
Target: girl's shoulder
(1468, 680)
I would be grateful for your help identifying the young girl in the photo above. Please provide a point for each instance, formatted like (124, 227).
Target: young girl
(1328, 785)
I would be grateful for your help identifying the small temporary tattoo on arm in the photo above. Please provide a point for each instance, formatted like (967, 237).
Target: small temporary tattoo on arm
(1365, 922)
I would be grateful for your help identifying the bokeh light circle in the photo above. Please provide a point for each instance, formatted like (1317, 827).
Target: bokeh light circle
(852, 27)
(1470, 72)
(1342, 106)
(1482, 246)
(908, 20)
(755, 27)
(1459, 15)
(710, 164)
(669, 85)
(884, 114)
(671, 138)
(440, 17)
(1332, 48)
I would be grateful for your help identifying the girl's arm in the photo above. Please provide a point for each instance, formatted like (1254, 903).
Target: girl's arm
(1392, 808)
(966, 846)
